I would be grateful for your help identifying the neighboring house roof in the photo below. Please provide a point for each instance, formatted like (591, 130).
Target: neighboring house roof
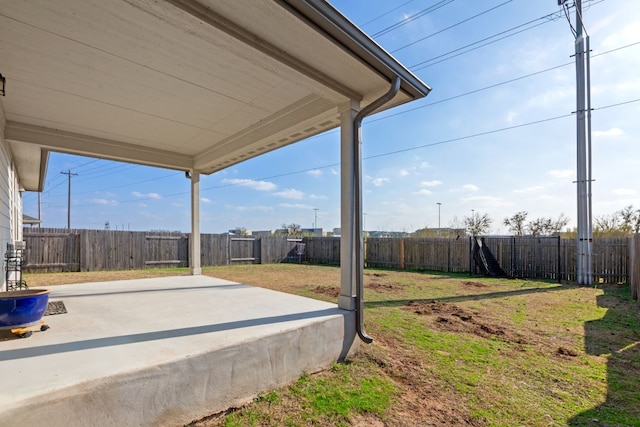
(181, 84)
(29, 220)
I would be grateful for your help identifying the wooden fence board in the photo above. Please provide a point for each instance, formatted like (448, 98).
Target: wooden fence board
(634, 266)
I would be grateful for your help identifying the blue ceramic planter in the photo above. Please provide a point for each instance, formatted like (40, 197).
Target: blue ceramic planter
(22, 308)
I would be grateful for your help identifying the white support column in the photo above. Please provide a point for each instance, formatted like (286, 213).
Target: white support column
(194, 242)
(347, 298)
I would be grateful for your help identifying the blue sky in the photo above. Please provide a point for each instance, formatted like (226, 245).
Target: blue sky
(476, 143)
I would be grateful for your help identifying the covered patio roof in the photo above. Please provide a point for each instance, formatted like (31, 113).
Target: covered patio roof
(193, 85)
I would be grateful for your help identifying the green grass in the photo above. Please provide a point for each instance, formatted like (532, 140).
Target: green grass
(498, 382)
(556, 355)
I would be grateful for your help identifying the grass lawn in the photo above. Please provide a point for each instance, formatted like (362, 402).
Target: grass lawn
(451, 349)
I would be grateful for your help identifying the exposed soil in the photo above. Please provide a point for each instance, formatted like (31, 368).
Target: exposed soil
(423, 400)
(475, 284)
(382, 287)
(452, 318)
(331, 291)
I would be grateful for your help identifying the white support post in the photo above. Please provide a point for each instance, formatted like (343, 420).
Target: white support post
(347, 298)
(194, 242)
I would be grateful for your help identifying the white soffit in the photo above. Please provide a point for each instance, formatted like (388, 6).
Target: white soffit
(181, 84)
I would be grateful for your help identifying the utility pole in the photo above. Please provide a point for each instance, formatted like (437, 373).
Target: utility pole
(315, 219)
(39, 209)
(584, 238)
(69, 175)
(438, 216)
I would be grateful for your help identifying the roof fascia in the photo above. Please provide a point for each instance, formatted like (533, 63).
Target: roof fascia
(328, 20)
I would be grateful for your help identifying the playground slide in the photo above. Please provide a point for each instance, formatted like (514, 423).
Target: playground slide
(485, 260)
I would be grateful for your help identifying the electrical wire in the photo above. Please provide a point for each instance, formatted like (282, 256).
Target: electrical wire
(386, 13)
(388, 153)
(412, 18)
(386, 117)
(547, 18)
(451, 26)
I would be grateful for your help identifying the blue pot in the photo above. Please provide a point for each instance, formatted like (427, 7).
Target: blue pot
(22, 308)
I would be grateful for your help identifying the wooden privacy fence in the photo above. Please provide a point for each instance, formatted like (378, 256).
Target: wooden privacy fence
(634, 266)
(53, 250)
(526, 257)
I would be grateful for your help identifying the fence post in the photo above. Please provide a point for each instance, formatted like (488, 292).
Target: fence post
(82, 244)
(471, 271)
(559, 262)
(402, 254)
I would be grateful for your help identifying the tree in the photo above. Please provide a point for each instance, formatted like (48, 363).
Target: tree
(557, 225)
(241, 231)
(629, 220)
(477, 224)
(624, 222)
(516, 223)
(292, 229)
(544, 226)
(606, 224)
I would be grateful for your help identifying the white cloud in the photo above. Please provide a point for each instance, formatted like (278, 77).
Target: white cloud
(466, 187)
(403, 172)
(318, 197)
(608, 133)
(104, 202)
(294, 206)
(562, 173)
(424, 165)
(423, 192)
(257, 208)
(315, 172)
(511, 116)
(205, 200)
(256, 185)
(154, 196)
(290, 193)
(379, 182)
(533, 189)
(625, 192)
(490, 201)
(433, 183)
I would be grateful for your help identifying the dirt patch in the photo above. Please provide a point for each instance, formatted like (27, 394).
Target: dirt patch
(382, 287)
(423, 400)
(376, 274)
(452, 318)
(469, 284)
(563, 351)
(327, 290)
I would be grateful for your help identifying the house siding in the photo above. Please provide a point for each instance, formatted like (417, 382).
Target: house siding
(10, 198)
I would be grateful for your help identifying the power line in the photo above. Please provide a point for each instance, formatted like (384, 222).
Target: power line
(393, 115)
(386, 13)
(389, 153)
(412, 18)
(547, 18)
(451, 26)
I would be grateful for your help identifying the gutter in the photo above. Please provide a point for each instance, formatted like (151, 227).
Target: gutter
(327, 20)
(357, 195)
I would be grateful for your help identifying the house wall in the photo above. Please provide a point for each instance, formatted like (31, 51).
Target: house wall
(10, 198)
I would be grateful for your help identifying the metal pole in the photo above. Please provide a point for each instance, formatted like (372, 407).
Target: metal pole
(583, 235)
(439, 216)
(69, 174)
(315, 219)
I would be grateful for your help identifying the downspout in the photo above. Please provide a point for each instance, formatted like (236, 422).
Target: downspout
(357, 193)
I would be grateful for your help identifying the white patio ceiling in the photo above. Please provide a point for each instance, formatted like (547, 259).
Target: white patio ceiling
(180, 84)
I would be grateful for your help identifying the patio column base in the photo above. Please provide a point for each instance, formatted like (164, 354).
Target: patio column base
(346, 302)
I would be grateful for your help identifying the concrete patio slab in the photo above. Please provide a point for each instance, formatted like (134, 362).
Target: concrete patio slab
(163, 351)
